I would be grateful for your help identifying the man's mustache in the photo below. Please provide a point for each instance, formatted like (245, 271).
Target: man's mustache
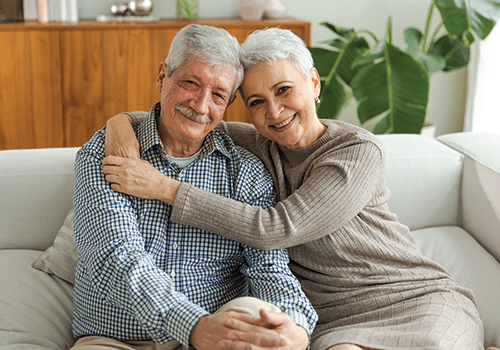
(194, 116)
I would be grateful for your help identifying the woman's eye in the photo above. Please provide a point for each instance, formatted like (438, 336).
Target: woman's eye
(283, 89)
(254, 103)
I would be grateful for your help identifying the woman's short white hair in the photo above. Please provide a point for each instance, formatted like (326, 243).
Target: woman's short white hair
(212, 45)
(269, 45)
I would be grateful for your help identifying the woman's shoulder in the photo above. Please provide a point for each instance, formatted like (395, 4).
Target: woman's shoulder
(245, 135)
(340, 133)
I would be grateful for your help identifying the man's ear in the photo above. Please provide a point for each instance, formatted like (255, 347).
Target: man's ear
(162, 74)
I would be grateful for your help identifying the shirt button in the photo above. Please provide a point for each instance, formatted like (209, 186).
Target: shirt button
(172, 274)
(175, 246)
(283, 309)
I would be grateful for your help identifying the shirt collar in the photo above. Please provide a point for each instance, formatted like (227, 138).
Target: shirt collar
(149, 137)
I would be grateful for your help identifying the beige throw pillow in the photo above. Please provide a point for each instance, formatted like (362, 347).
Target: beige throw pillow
(61, 258)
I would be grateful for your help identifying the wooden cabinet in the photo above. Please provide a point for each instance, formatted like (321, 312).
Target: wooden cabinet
(59, 82)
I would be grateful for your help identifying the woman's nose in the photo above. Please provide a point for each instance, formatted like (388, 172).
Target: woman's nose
(274, 110)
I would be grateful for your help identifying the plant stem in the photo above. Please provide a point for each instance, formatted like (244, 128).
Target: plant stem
(433, 38)
(369, 33)
(333, 71)
(427, 27)
(388, 34)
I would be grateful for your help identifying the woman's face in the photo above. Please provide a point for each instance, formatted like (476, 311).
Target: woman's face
(281, 101)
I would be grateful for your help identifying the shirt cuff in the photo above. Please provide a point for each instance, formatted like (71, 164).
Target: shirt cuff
(181, 320)
(301, 320)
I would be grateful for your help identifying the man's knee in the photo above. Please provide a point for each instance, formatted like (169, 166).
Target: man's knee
(250, 305)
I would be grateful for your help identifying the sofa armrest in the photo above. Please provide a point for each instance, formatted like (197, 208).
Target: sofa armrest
(480, 186)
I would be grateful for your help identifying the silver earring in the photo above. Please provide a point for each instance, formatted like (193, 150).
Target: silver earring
(317, 100)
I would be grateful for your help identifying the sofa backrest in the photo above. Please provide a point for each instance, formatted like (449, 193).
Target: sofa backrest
(36, 188)
(425, 178)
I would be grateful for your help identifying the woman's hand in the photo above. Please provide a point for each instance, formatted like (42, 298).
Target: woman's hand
(139, 178)
(120, 138)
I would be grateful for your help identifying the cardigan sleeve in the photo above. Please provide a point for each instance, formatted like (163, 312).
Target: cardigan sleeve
(340, 183)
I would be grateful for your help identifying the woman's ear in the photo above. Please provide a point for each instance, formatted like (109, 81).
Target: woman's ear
(162, 73)
(316, 81)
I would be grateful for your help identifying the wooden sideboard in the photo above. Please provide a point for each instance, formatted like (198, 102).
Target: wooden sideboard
(60, 82)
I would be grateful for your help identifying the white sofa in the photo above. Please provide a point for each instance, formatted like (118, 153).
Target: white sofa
(447, 190)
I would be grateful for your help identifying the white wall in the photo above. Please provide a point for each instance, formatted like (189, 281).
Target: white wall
(483, 114)
(447, 101)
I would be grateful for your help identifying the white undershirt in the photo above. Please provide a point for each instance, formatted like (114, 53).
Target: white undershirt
(184, 162)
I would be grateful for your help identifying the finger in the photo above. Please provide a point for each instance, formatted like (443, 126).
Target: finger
(117, 188)
(266, 340)
(244, 317)
(234, 345)
(274, 319)
(259, 336)
(113, 179)
(242, 321)
(113, 160)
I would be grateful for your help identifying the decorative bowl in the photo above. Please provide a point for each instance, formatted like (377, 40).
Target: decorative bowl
(141, 8)
(119, 8)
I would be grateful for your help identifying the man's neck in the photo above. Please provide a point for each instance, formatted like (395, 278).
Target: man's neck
(180, 150)
(177, 146)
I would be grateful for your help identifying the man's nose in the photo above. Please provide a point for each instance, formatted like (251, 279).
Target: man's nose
(201, 102)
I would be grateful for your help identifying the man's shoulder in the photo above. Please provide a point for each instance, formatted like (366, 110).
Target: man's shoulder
(237, 153)
(95, 146)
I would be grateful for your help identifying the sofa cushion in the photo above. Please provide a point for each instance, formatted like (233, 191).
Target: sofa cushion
(36, 309)
(424, 177)
(471, 266)
(60, 259)
(38, 185)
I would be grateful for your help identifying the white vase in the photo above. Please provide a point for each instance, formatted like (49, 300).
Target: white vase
(43, 10)
(252, 9)
(273, 9)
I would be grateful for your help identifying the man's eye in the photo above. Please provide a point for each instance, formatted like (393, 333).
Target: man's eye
(188, 83)
(220, 96)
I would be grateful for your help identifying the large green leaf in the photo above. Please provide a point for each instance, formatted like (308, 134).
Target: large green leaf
(336, 70)
(323, 59)
(456, 52)
(397, 87)
(432, 62)
(349, 47)
(333, 99)
(464, 16)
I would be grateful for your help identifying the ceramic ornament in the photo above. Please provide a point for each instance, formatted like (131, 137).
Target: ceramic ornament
(273, 9)
(252, 9)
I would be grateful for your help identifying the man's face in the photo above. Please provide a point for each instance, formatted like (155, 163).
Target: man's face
(193, 101)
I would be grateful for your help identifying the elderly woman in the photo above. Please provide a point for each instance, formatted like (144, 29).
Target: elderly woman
(371, 286)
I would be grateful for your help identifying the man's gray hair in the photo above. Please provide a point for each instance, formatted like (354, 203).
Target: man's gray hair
(269, 45)
(212, 45)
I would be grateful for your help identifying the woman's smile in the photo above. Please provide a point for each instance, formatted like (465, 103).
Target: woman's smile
(282, 124)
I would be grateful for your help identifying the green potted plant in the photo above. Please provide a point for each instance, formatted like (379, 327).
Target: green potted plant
(390, 83)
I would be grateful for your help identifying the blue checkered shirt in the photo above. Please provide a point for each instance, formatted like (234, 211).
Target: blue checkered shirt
(141, 276)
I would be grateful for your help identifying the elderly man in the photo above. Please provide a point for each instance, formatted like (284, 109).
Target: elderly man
(144, 282)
